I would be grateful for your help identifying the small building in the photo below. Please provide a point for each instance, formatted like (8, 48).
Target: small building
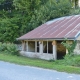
(45, 41)
(75, 3)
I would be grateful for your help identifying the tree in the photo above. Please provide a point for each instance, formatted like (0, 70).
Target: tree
(8, 30)
(20, 16)
(52, 9)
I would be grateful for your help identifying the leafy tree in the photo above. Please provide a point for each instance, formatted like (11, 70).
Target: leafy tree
(8, 30)
(27, 9)
(20, 16)
(52, 9)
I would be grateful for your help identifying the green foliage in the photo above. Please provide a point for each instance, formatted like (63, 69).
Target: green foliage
(1, 1)
(26, 4)
(69, 46)
(72, 60)
(59, 8)
(18, 17)
(69, 60)
(9, 48)
(8, 30)
(75, 11)
(12, 48)
(2, 46)
(49, 11)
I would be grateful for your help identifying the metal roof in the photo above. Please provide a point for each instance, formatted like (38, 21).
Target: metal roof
(60, 28)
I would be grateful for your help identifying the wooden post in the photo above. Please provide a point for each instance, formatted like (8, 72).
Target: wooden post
(54, 50)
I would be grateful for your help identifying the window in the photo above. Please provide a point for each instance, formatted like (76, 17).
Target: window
(37, 46)
(47, 47)
(50, 50)
(31, 46)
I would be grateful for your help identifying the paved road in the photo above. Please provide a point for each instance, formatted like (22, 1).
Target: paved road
(10, 71)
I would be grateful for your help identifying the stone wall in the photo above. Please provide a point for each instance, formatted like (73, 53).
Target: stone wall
(37, 55)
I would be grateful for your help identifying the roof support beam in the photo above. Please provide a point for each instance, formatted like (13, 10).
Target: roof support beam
(54, 50)
(41, 47)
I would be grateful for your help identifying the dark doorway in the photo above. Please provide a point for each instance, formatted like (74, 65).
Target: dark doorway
(50, 47)
(61, 50)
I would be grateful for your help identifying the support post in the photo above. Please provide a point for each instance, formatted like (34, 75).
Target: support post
(27, 46)
(41, 46)
(35, 46)
(54, 50)
(23, 44)
(66, 51)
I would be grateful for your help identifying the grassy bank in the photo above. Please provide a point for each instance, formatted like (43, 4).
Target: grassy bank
(55, 65)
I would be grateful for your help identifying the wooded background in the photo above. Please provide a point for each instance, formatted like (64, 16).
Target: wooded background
(18, 17)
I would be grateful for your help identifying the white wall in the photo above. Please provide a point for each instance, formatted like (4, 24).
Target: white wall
(77, 48)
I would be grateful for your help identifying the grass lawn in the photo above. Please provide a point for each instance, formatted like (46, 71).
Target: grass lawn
(55, 65)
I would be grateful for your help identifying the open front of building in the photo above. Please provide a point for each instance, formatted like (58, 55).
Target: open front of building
(48, 50)
(43, 49)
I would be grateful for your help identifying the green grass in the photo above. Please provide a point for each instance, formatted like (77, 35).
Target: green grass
(55, 65)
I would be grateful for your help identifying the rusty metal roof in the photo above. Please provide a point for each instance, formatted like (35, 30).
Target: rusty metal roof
(60, 28)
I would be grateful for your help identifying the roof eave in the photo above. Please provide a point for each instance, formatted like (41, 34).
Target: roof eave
(45, 39)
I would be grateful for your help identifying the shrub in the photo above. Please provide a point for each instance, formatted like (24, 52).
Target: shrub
(12, 48)
(69, 59)
(72, 60)
(77, 60)
(3, 46)
(9, 48)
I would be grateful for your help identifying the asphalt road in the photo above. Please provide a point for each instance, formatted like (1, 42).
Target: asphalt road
(9, 71)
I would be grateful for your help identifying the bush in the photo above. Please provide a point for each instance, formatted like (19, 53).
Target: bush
(12, 48)
(9, 48)
(69, 60)
(3, 46)
(72, 60)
